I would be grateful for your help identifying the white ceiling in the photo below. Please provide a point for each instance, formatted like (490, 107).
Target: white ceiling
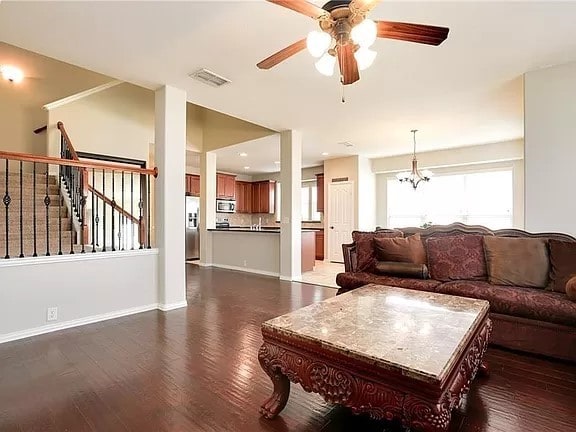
(467, 91)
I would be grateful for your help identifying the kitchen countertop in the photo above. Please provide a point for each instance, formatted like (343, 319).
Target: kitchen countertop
(272, 230)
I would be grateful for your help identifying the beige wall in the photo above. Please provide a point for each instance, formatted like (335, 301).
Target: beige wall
(118, 121)
(17, 121)
(550, 128)
(221, 130)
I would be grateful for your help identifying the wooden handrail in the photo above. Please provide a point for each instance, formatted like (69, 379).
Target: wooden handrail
(109, 202)
(24, 157)
(62, 130)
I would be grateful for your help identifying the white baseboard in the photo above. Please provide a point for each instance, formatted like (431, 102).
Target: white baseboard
(246, 269)
(75, 323)
(171, 306)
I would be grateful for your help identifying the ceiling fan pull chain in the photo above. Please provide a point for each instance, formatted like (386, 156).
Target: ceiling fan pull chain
(343, 91)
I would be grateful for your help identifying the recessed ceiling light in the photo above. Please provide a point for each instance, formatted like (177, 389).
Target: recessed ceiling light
(11, 73)
(277, 162)
(246, 167)
(325, 153)
(243, 154)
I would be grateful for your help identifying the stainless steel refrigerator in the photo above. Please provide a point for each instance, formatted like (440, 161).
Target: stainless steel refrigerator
(192, 228)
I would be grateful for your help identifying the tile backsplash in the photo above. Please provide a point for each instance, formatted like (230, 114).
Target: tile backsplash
(242, 219)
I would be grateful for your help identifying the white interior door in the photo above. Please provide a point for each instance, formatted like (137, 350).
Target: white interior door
(340, 218)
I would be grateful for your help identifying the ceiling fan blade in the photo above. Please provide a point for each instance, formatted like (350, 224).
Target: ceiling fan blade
(303, 7)
(363, 5)
(418, 33)
(347, 62)
(282, 55)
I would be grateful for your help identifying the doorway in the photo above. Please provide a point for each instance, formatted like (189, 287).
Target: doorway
(340, 218)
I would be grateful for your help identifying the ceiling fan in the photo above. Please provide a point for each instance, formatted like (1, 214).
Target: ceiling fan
(346, 35)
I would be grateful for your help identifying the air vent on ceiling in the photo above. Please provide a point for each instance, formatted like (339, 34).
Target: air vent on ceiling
(209, 77)
(346, 144)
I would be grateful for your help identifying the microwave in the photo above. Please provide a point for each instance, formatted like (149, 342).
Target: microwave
(225, 206)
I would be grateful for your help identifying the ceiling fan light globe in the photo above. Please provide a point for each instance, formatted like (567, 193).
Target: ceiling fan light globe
(364, 34)
(364, 57)
(318, 43)
(326, 65)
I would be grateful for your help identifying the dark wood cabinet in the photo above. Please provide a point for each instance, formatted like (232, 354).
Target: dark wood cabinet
(225, 186)
(320, 245)
(243, 197)
(192, 184)
(263, 196)
(320, 193)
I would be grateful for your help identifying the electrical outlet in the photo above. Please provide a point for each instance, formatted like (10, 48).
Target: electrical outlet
(52, 314)
(245, 263)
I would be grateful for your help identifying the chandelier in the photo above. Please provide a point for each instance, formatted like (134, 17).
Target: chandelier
(325, 46)
(414, 176)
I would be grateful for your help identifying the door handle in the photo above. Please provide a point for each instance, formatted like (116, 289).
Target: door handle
(331, 227)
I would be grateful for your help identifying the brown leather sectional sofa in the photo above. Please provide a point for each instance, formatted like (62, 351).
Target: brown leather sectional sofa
(534, 320)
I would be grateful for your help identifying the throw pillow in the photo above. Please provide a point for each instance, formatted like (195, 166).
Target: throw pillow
(409, 249)
(365, 253)
(571, 289)
(517, 261)
(402, 269)
(456, 257)
(562, 263)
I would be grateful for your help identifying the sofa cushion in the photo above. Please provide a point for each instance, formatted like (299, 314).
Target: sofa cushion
(365, 254)
(531, 303)
(562, 264)
(456, 257)
(349, 281)
(571, 289)
(399, 249)
(401, 269)
(517, 261)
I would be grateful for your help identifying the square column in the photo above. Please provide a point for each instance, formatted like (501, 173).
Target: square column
(291, 201)
(170, 153)
(207, 205)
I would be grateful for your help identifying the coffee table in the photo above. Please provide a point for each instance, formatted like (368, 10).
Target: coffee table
(389, 352)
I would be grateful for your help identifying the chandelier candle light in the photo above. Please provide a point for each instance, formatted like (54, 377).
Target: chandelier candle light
(414, 176)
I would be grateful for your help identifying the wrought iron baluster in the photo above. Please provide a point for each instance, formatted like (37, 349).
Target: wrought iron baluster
(140, 218)
(113, 217)
(60, 210)
(34, 206)
(132, 210)
(93, 216)
(148, 210)
(123, 218)
(6, 202)
(21, 216)
(103, 211)
(83, 178)
(72, 232)
(47, 204)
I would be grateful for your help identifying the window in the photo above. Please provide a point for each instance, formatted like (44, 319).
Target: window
(480, 198)
(309, 201)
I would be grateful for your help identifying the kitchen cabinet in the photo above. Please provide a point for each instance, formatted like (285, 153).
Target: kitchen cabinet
(320, 193)
(263, 196)
(320, 245)
(308, 250)
(192, 185)
(225, 186)
(243, 197)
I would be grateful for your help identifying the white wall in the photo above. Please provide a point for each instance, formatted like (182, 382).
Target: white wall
(550, 135)
(85, 288)
(366, 192)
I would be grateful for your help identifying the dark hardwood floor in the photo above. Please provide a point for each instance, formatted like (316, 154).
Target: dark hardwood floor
(196, 369)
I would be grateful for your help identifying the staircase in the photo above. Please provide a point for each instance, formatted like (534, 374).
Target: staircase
(51, 222)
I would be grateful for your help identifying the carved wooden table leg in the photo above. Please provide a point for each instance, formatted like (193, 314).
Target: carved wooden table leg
(420, 416)
(275, 403)
(484, 370)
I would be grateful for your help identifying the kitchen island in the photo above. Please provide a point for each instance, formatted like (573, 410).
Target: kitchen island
(256, 250)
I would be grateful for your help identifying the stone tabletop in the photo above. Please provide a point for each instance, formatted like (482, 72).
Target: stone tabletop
(418, 333)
